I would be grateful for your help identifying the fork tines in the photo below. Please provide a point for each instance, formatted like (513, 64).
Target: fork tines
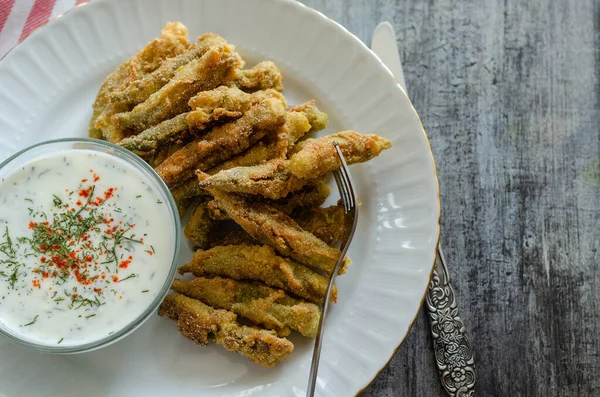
(345, 185)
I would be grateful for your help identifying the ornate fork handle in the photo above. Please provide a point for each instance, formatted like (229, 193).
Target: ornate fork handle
(453, 353)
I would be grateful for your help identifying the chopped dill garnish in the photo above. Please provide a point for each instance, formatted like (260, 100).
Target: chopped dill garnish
(132, 275)
(32, 321)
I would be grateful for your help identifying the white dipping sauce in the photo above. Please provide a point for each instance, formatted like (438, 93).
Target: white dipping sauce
(60, 282)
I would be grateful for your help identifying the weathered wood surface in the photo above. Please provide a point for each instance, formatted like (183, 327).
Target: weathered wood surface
(508, 92)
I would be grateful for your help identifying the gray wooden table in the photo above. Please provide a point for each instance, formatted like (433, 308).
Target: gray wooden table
(508, 92)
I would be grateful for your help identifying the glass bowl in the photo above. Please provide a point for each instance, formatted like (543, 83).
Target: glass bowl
(151, 177)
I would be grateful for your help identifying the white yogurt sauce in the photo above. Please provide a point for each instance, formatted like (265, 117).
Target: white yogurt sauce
(60, 281)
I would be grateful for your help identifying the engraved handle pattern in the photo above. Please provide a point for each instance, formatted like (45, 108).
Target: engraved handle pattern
(453, 354)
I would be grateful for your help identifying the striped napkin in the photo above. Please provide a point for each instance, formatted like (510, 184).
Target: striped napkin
(18, 18)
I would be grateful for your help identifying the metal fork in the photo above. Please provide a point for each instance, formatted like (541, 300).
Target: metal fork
(345, 185)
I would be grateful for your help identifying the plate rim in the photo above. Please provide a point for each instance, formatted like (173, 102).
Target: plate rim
(412, 107)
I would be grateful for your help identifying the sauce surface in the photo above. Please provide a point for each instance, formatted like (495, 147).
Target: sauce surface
(85, 247)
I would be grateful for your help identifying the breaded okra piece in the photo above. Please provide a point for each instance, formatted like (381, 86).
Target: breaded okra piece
(311, 195)
(273, 227)
(187, 189)
(223, 142)
(262, 305)
(261, 77)
(235, 237)
(224, 103)
(183, 206)
(172, 42)
(318, 120)
(272, 180)
(311, 159)
(318, 156)
(200, 74)
(260, 263)
(155, 137)
(329, 224)
(200, 226)
(201, 323)
(271, 147)
(138, 91)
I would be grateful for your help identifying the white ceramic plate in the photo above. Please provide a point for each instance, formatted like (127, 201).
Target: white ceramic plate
(47, 85)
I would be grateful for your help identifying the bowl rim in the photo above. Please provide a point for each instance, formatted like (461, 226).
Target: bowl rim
(146, 170)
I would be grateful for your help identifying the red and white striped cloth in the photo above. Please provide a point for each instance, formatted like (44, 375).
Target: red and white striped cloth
(18, 18)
